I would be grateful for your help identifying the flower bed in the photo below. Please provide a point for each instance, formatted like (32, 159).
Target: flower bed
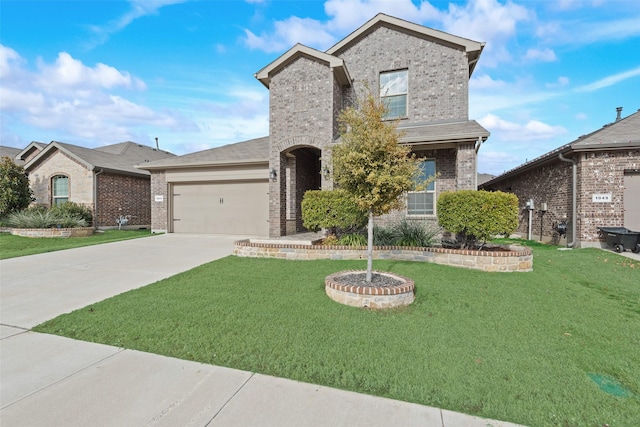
(503, 259)
(52, 232)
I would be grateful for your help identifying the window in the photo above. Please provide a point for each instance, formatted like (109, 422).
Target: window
(393, 93)
(422, 202)
(60, 185)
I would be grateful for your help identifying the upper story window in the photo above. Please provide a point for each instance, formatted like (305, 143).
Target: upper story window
(422, 202)
(60, 193)
(394, 86)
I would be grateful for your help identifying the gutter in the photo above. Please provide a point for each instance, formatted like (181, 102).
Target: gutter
(574, 189)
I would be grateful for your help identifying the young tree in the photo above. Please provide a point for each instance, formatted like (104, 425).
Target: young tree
(15, 193)
(371, 165)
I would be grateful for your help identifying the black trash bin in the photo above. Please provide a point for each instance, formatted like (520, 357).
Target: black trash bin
(620, 238)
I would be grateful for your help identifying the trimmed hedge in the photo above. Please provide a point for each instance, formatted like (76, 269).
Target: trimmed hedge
(334, 210)
(477, 215)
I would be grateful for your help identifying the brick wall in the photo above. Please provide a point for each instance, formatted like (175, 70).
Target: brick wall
(302, 106)
(438, 74)
(159, 212)
(598, 173)
(602, 173)
(58, 163)
(123, 195)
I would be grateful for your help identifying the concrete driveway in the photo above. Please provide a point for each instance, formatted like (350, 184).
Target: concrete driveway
(46, 380)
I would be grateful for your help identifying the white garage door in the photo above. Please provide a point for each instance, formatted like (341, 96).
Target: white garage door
(221, 208)
(632, 201)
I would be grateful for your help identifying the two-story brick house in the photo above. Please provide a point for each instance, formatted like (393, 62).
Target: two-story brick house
(256, 187)
(104, 179)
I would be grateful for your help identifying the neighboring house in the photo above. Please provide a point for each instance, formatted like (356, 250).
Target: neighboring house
(607, 185)
(11, 153)
(256, 187)
(103, 179)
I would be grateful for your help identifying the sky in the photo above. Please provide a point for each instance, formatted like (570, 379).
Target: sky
(95, 73)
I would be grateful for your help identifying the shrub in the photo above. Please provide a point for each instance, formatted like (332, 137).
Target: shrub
(354, 239)
(43, 218)
(477, 215)
(330, 240)
(383, 236)
(413, 233)
(334, 210)
(74, 210)
(15, 193)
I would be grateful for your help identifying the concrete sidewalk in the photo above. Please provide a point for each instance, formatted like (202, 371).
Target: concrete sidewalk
(47, 380)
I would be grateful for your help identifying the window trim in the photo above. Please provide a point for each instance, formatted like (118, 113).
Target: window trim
(405, 94)
(54, 196)
(427, 191)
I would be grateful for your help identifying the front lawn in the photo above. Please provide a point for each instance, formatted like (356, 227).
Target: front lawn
(14, 246)
(520, 347)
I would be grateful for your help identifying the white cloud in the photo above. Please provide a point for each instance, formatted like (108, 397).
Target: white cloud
(289, 32)
(139, 8)
(70, 101)
(544, 55)
(610, 80)
(347, 15)
(581, 116)
(561, 82)
(517, 132)
(71, 73)
(484, 81)
(487, 21)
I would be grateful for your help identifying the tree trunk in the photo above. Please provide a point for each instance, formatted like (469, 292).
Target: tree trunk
(369, 247)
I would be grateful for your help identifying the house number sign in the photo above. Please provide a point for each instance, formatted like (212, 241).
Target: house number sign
(159, 198)
(601, 198)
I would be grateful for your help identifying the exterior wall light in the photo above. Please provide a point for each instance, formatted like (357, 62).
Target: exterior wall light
(273, 175)
(326, 172)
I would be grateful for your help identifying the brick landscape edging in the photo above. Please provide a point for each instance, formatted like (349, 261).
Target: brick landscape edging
(377, 297)
(52, 232)
(515, 258)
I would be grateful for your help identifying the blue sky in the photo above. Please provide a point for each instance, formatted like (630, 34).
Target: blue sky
(94, 73)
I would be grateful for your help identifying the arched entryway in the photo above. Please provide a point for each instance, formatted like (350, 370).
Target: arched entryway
(302, 170)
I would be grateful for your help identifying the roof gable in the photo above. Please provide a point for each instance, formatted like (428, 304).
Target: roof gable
(118, 158)
(335, 63)
(471, 47)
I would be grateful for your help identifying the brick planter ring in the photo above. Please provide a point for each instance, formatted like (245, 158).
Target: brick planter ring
(377, 297)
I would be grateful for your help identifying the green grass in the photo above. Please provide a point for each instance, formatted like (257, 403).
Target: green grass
(518, 347)
(14, 246)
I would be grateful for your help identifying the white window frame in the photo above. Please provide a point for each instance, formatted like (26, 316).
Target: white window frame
(58, 199)
(390, 92)
(429, 190)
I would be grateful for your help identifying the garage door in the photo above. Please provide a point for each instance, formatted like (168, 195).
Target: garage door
(221, 208)
(632, 200)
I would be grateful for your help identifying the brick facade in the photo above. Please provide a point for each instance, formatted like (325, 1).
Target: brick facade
(59, 163)
(438, 73)
(159, 211)
(125, 195)
(599, 172)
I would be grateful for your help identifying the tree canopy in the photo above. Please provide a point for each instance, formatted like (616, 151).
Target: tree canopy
(15, 193)
(371, 165)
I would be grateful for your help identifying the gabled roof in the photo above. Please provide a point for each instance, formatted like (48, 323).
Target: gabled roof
(246, 152)
(118, 158)
(335, 63)
(471, 47)
(622, 134)
(29, 149)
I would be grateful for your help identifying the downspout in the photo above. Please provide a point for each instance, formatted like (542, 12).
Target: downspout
(574, 190)
(95, 198)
